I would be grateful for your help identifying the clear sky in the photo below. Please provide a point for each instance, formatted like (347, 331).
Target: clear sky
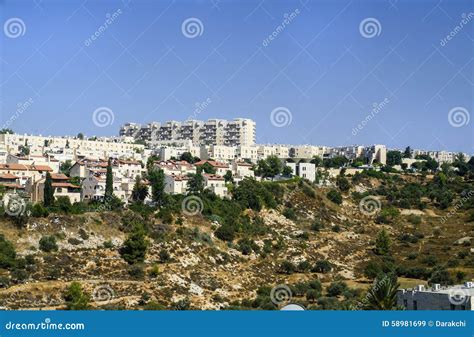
(324, 67)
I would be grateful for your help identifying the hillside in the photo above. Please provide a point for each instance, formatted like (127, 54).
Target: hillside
(230, 254)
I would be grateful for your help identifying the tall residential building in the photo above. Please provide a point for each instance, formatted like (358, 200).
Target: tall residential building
(238, 132)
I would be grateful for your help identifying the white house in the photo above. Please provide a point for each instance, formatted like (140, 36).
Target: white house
(303, 170)
(176, 184)
(221, 168)
(242, 169)
(93, 188)
(61, 188)
(216, 184)
(174, 167)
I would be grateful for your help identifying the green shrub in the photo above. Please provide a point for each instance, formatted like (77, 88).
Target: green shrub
(286, 267)
(64, 205)
(164, 256)
(48, 244)
(225, 233)
(135, 247)
(154, 271)
(334, 196)
(75, 298)
(312, 295)
(38, 211)
(289, 213)
(317, 226)
(7, 253)
(414, 219)
(322, 266)
(303, 266)
(429, 260)
(136, 271)
(336, 288)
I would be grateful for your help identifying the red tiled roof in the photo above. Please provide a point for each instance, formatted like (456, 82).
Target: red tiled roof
(59, 176)
(21, 167)
(10, 185)
(212, 163)
(179, 177)
(213, 177)
(8, 176)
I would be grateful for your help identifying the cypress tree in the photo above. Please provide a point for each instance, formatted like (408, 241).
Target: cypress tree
(109, 181)
(48, 191)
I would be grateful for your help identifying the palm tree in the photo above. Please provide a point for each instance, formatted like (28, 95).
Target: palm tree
(383, 294)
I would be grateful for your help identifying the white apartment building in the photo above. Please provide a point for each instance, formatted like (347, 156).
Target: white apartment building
(247, 152)
(219, 152)
(440, 156)
(308, 151)
(240, 131)
(458, 297)
(176, 184)
(241, 169)
(216, 184)
(376, 153)
(303, 170)
(34, 160)
(40, 144)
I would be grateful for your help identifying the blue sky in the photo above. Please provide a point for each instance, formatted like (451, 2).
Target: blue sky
(320, 67)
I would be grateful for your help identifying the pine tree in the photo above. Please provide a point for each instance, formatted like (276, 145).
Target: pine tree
(157, 180)
(109, 181)
(195, 183)
(48, 191)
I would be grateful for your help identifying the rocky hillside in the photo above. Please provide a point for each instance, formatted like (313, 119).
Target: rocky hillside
(321, 246)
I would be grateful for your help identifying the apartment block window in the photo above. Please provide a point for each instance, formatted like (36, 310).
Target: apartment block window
(415, 305)
(405, 303)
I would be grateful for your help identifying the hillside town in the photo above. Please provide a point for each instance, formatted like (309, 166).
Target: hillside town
(223, 150)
